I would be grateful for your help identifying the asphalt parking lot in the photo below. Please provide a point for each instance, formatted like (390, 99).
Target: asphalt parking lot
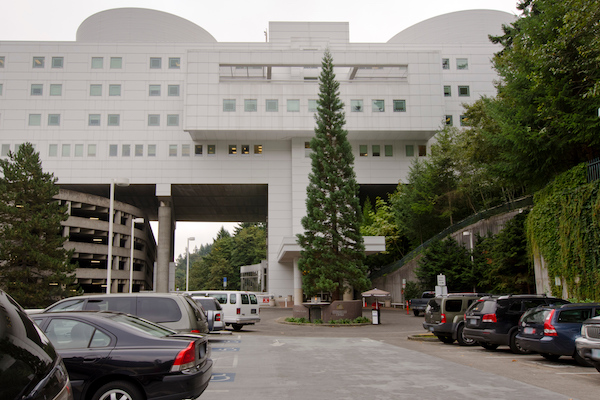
(273, 360)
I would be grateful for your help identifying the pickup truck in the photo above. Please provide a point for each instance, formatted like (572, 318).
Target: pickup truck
(418, 306)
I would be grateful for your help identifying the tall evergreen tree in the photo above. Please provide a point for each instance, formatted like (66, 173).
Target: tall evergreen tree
(332, 253)
(34, 268)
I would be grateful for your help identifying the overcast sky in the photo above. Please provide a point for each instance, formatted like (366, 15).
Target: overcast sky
(233, 21)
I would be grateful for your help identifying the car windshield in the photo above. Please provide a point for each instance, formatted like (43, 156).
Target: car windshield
(535, 316)
(142, 325)
(483, 306)
(207, 303)
(434, 305)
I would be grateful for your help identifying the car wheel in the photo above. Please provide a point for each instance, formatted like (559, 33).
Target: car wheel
(489, 346)
(462, 339)
(515, 346)
(237, 327)
(416, 313)
(550, 357)
(118, 390)
(445, 339)
(582, 361)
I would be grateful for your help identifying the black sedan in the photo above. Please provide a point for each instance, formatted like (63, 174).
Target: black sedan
(119, 356)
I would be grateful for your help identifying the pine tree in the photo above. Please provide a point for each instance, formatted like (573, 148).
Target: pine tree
(332, 253)
(35, 268)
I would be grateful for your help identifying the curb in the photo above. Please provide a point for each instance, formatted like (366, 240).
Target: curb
(426, 337)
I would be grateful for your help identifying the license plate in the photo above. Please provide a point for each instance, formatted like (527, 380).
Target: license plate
(596, 354)
(529, 331)
(472, 321)
(431, 329)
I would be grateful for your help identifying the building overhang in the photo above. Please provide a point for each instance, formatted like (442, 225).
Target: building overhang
(199, 135)
(289, 249)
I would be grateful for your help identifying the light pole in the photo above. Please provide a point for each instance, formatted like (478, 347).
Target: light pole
(187, 267)
(133, 222)
(470, 234)
(111, 212)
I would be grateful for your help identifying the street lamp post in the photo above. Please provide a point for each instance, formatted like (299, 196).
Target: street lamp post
(187, 267)
(111, 212)
(133, 222)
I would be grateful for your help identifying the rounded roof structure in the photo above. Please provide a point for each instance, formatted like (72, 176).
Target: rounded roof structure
(460, 27)
(135, 25)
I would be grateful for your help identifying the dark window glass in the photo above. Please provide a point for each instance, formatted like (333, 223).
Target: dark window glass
(245, 299)
(157, 309)
(574, 316)
(232, 298)
(453, 305)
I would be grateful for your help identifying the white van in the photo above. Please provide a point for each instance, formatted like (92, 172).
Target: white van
(240, 308)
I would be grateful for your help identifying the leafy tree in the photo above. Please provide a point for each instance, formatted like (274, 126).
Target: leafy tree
(181, 263)
(449, 258)
(332, 246)
(35, 268)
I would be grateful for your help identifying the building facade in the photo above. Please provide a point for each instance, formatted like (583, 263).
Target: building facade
(210, 131)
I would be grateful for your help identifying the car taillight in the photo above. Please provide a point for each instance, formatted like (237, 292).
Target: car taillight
(195, 331)
(549, 329)
(489, 318)
(185, 359)
(238, 311)
(217, 316)
(443, 319)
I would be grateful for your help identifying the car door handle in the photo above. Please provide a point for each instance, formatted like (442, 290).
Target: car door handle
(90, 360)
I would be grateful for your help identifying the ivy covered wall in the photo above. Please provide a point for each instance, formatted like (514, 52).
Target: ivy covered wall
(563, 230)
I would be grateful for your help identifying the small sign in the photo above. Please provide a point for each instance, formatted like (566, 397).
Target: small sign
(441, 280)
(225, 282)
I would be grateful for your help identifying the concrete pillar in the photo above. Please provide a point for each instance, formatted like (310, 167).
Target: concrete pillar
(298, 292)
(165, 243)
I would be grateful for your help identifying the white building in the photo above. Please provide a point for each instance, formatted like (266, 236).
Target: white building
(209, 131)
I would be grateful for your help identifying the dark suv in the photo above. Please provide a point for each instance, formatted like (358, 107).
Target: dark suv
(444, 317)
(493, 320)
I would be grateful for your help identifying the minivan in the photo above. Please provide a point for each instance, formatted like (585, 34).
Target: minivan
(240, 307)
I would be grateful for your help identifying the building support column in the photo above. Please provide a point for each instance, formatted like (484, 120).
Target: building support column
(165, 244)
(298, 292)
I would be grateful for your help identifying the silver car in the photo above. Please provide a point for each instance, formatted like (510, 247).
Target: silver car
(214, 312)
(588, 345)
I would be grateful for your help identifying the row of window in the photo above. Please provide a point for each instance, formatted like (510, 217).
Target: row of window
(98, 62)
(463, 91)
(293, 105)
(96, 120)
(55, 89)
(461, 63)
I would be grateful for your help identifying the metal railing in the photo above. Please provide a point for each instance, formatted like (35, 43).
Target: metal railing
(593, 170)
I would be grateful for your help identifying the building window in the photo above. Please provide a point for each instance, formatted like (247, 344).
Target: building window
(94, 120)
(173, 90)
(91, 150)
(198, 149)
(363, 150)
(462, 63)
(154, 90)
(52, 150)
(5, 150)
(35, 119)
(232, 149)
(399, 105)
(114, 90)
(55, 89)
(95, 90)
(449, 120)
(125, 150)
(211, 149)
(38, 62)
(250, 105)
(113, 150)
(66, 150)
(245, 149)
(114, 119)
(153, 120)
(185, 150)
(258, 149)
(422, 150)
(228, 105)
(139, 150)
(97, 62)
(37, 89)
(378, 106)
(272, 105)
(445, 63)
(376, 150)
(173, 120)
(78, 150)
(293, 105)
(356, 105)
(464, 121)
(312, 106)
(53, 119)
(389, 150)
(307, 150)
(447, 91)
(151, 150)
(463, 91)
(173, 150)
(2, 61)
(116, 63)
(155, 62)
(410, 150)
(57, 62)
(174, 62)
